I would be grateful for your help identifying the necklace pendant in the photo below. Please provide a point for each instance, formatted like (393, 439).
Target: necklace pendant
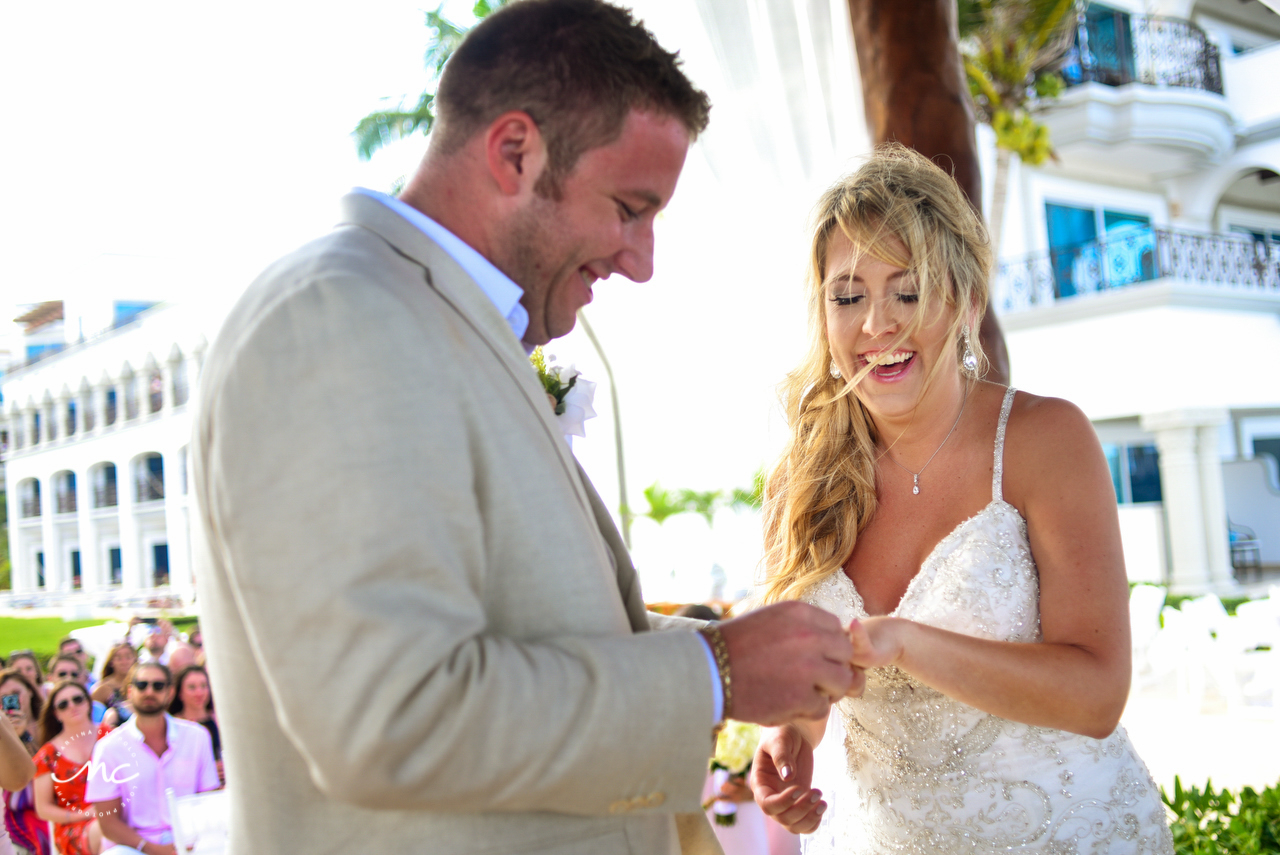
(915, 485)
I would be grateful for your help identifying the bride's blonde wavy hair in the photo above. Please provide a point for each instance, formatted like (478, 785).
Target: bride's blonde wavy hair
(822, 493)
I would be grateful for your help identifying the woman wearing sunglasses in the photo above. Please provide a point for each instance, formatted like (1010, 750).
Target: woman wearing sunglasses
(67, 735)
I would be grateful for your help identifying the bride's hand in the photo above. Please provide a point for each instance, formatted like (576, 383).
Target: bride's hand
(877, 642)
(781, 775)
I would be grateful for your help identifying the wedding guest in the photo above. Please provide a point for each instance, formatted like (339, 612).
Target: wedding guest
(16, 771)
(162, 753)
(158, 644)
(22, 705)
(69, 668)
(70, 646)
(181, 655)
(25, 662)
(970, 535)
(193, 701)
(67, 736)
(111, 688)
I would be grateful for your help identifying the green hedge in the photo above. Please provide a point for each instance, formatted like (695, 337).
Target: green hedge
(1220, 822)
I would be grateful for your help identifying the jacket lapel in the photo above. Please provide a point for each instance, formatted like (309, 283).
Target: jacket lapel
(461, 292)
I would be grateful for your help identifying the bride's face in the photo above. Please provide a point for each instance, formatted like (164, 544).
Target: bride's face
(869, 305)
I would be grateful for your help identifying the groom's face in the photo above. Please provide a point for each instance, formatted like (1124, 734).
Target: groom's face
(602, 223)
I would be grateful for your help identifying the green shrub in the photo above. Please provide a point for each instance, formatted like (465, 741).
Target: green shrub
(1219, 822)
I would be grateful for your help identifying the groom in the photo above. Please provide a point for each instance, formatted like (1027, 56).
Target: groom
(424, 632)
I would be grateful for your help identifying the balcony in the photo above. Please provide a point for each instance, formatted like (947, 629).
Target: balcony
(30, 508)
(1234, 263)
(1144, 96)
(66, 503)
(105, 496)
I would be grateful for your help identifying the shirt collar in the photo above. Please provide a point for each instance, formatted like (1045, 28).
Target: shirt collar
(130, 727)
(496, 285)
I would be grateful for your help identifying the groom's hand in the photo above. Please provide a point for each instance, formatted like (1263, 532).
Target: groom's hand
(781, 779)
(788, 661)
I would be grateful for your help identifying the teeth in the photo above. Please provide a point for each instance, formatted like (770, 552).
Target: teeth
(891, 359)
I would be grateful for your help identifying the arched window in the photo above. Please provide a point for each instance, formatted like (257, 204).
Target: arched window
(104, 485)
(70, 428)
(29, 498)
(149, 477)
(64, 485)
(109, 417)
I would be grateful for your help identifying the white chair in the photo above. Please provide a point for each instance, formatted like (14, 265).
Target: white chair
(200, 821)
(1145, 602)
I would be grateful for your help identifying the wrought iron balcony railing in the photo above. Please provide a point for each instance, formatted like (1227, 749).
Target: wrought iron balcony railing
(66, 503)
(1116, 48)
(1226, 260)
(30, 508)
(105, 497)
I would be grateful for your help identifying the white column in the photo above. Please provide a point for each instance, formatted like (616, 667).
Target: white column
(1193, 510)
(121, 409)
(130, 548)
(1217, 545)
(166, 386)
(17, 540)
(99, 397)
(48, 535)
(29, 413)
(61, 405)
(90, 565)
(175, 523)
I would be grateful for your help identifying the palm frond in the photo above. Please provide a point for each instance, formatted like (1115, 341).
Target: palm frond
(382, 128)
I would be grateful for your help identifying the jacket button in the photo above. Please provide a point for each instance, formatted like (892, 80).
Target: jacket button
(621, 806)
(655, 800)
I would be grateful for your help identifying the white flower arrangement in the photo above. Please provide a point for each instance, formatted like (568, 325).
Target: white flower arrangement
(735, 749)
(571, 396)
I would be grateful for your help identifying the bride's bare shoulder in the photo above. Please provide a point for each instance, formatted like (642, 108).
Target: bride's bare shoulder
(1050, 444)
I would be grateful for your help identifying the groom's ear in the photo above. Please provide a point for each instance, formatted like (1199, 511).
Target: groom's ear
(515, 152)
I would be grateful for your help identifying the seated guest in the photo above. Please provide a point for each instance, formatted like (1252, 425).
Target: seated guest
(162, 753)
(111, 688)
(16, 770)
(65, 668)
(69, 646)
(21, 703)
(67, 737)
(193, 701)
(26, 663)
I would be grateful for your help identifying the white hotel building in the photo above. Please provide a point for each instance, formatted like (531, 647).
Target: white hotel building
(96, 465)
(1140, 277)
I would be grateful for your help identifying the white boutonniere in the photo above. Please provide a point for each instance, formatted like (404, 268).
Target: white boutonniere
(570, 396)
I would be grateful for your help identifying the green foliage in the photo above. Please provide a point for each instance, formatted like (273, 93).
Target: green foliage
(40, 634)
(667, 503)
(1011, 49)
(662, 503)
(384, 127)
(1023, 135)
(6, 569)
(1219, 822)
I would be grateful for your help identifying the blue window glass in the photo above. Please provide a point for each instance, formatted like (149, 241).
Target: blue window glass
(126, 311)
(1144, 474)
(1113, 463)
(1071, 231)
(117, 565)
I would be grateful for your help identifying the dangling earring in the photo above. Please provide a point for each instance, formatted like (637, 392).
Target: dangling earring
(970, 359)
(835, 371)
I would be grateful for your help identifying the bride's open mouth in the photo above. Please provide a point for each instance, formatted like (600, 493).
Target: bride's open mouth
(889, 367)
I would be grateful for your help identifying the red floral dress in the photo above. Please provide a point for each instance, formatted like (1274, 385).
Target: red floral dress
(69, 779)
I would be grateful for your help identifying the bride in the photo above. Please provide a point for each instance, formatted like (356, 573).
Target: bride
(970, 533)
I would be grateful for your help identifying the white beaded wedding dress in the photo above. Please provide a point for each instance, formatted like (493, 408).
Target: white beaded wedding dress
(905, 769)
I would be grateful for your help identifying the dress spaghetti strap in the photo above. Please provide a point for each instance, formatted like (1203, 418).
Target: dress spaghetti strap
(997, 475)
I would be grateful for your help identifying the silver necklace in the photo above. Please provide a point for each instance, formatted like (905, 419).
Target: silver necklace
(915, 476)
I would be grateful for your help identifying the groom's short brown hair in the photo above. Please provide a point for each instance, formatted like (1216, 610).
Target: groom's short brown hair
(577, 67)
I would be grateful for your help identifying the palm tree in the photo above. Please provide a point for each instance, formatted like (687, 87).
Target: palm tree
(1012, 50)
(383, 127)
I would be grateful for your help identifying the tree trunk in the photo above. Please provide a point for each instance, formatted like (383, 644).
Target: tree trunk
(914, 91)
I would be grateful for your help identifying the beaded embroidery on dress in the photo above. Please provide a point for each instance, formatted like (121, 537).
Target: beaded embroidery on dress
(906, 769)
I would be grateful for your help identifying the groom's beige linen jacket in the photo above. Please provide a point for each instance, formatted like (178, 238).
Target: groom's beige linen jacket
(424, 633)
